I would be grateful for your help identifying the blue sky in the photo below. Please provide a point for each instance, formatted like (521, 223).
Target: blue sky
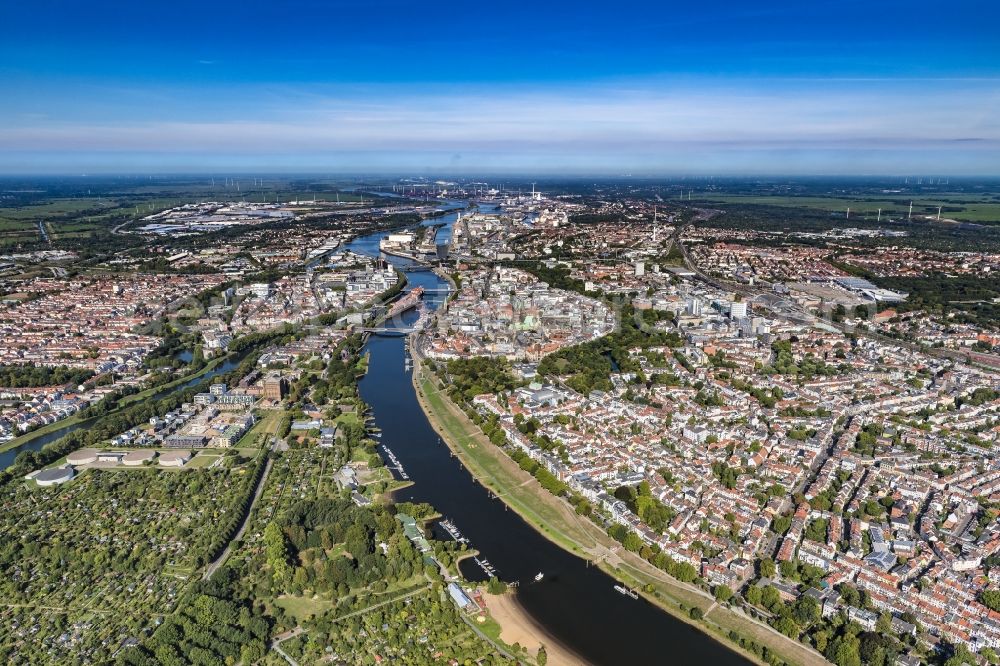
(712, 87)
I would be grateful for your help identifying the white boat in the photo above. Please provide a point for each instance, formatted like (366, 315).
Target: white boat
(539, 576)
(485, 566)
(451, 529)
(395, 464)
(621, 589)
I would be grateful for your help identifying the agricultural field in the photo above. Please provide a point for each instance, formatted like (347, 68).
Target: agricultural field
(73, 218)
(15, 232)
(60, 220)
(962, 207)
(83, 213)
(92, 563)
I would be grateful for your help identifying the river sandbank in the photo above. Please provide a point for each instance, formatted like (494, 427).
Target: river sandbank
(517, 626)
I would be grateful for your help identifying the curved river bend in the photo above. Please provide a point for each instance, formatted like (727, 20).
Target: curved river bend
(576, 604)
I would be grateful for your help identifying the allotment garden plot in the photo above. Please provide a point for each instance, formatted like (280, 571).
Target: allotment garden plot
(90, 564)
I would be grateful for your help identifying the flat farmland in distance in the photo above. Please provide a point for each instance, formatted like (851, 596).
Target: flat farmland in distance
(962, 207)
(73, 218)
(8, 225)
(32, 212)
(70, 217)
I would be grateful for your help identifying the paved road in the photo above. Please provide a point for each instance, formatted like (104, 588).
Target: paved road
(118, 228)
(369, 609)
(221, 559)
(277, 648)
(288, 635)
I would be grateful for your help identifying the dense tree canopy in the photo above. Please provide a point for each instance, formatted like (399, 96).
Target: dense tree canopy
(25, 376)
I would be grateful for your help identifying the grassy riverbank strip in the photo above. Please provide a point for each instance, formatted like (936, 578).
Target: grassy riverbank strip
(153, 390)
(40, 432)
(558, 522)
(500, 474)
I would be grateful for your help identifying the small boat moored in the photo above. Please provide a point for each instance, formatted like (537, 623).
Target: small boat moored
(621, 589)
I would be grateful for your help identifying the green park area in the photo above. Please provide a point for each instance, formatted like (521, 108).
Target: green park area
(92, 562)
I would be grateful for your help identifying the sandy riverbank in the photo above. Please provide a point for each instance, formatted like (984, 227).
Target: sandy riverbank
(519, 627)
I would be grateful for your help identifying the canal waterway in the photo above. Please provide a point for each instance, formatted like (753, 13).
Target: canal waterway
(576, 603)
(365, 245)
(7, 457)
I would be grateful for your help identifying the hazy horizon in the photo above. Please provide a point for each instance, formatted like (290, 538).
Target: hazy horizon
(824, 89)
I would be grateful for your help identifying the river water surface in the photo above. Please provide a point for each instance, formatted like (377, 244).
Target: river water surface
(7, 457)
(576, 603)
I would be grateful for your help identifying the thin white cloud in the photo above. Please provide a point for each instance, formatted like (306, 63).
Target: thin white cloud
(635, 122)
